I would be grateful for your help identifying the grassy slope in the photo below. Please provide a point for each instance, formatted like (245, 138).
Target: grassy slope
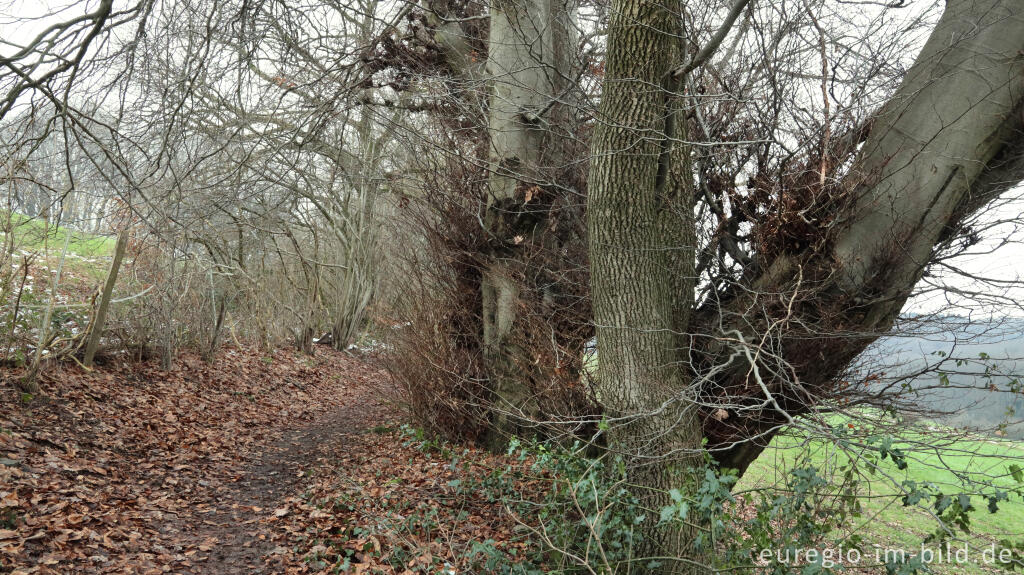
(31, 234)
(83, 270)
(87, 253)
(885, 521)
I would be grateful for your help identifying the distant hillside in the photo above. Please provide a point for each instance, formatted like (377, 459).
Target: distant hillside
(975, 364)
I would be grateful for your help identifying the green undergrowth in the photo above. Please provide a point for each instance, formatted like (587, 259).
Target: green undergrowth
(570, 513)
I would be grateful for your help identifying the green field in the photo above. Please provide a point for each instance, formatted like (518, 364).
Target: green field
(32, 234)
(961, 465)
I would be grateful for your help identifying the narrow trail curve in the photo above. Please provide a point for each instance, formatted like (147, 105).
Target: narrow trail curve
(133, 469)
(236, 535)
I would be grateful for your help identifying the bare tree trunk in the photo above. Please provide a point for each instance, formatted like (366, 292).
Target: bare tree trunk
(530, 43)
(642, 238)
(362, 259)
(168, 337)
(950, 140)
(108, 290)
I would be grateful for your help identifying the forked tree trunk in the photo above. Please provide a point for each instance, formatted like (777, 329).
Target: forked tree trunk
(357, 285)
(950, 140)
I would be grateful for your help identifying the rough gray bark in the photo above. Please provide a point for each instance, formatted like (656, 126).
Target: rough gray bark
(641, 233)
(948, 141)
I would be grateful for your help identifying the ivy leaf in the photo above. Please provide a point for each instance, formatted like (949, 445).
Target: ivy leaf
(684, 510)
(1017, 473)
(667, 513)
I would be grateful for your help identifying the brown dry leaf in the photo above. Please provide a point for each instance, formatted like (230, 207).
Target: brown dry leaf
(144, 457)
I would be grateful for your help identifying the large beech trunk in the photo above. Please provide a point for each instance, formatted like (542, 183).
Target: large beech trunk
(528, 65)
